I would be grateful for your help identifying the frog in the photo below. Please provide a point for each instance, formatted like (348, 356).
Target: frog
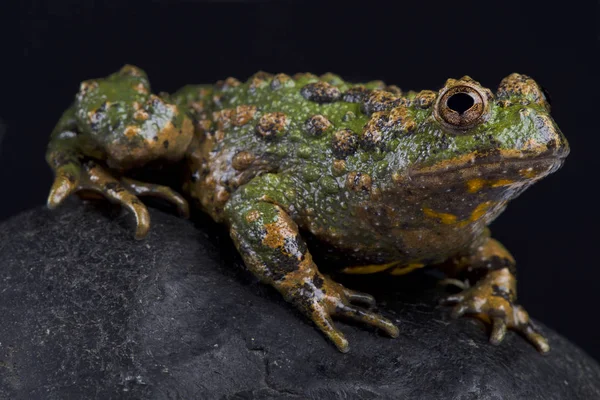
(394, 180)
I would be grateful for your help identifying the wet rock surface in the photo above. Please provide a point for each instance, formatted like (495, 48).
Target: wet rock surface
(88, 312)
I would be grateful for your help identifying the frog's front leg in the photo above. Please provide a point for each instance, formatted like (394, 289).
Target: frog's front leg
(75, 172)
(493, 296)
(117, 122)
(272, 248)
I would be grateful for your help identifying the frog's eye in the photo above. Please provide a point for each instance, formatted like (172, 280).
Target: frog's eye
(461, 107)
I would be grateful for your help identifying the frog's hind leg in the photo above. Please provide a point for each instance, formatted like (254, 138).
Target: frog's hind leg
(272, 248)
(493, 296)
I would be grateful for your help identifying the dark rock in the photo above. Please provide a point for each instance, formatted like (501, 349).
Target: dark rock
(88, 312)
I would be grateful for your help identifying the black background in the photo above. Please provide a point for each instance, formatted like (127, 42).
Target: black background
(49, 47)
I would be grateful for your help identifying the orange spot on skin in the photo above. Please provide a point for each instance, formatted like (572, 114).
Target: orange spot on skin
(476, 184)
(141, 115)
(277, 232)
(451, 219)
(502, 182)
(131, 131)
(338, 167)
(238, 116)
(445, 218)
(480, 211)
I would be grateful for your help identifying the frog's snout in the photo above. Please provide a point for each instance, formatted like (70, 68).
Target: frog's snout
(547, 134)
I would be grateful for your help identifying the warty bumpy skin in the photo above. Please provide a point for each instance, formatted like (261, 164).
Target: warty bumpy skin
(392, 180)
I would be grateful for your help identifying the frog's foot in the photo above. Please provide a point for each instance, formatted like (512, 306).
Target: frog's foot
(92, 177)
(149, 189)
(492, 301)
(321, 299)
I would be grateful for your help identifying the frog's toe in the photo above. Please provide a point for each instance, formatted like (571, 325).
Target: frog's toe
(98, 180)
(369, 318)
(137, 208)
(326, 325)
(524, 327)
(359, 297)
(452, 299)
(163, 192)
(64, 185)
(536, 338)
(527, 328)
(498, 330)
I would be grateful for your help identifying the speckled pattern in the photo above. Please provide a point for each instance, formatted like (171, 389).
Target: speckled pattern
(87, 312)
(394, 180)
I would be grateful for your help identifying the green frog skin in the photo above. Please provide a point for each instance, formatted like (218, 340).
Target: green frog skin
(393, 180)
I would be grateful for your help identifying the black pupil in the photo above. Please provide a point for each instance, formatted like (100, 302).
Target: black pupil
(460, 102)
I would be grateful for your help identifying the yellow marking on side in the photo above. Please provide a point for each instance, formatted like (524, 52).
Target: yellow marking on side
(445, 218)
(406, 269)
(480, 211)
(502, 182)
(451, 219)
(476, 184)
(368, 269)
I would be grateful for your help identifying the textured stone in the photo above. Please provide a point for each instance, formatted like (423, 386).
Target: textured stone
(88, 312)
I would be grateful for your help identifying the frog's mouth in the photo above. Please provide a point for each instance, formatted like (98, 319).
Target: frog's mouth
(502, 165)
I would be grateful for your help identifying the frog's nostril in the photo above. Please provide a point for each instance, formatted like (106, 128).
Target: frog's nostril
(460, 102)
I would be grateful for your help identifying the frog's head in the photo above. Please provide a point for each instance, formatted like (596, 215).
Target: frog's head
(128, 123)
(468, 130)
(462, 153)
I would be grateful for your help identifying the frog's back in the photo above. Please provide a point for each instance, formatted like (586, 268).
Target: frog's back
(270, 123)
